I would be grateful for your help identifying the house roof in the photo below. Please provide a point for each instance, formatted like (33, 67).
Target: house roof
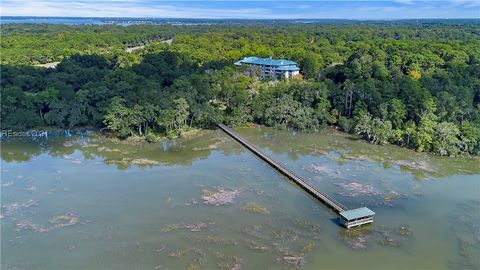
(265, 61)
(357, 213)
(288, 68)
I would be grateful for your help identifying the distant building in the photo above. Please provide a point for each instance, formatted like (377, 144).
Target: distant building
(278, 68)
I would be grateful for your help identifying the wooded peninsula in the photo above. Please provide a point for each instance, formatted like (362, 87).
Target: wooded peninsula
(411, 83)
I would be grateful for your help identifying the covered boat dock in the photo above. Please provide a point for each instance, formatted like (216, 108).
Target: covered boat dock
(348, 218)
(356, 217)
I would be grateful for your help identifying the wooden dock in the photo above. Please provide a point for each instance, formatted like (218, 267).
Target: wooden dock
(329, 201)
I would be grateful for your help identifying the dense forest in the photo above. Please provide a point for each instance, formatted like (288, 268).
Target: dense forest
(412, 84)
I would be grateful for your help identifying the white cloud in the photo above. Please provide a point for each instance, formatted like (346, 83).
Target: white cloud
(304, 7)
(462, 2)
(405, 2)
(199, 9)
(123, 8)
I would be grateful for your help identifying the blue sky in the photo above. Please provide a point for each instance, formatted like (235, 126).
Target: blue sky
(399, 9)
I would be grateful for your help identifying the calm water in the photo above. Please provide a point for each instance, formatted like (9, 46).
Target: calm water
(95, 203)
(107, 21)
(51, 20)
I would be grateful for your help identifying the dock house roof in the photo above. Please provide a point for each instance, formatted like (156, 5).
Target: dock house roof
(253, 60)
(357, 213)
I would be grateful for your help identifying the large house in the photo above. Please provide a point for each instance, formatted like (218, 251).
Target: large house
(277, 68)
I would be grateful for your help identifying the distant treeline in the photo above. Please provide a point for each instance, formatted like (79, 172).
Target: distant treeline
(415, 85)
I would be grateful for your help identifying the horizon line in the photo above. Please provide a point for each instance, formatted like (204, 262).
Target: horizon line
(230, 18)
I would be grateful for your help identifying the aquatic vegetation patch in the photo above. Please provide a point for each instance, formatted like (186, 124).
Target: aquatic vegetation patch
(228, 262)
(161, 248)
(65, 220)
(254, 231)
(199, 258)
(106, 149)
(466, 231)
(392, 196)
(389, 241)
(13, 208)
(255, 208)
(207, 193)
(122, 163)
(307, 247)
(313, 230)
(356, 157)
(415, 165)
(193, 201)
(144, 161)
(320, 169)
(210, 147)
(404, 230)
(254, 246)
(194, 227)
(221, 197)
(60, 221)
(293, 259)
(126, 161)
(301, 227)
(28, 225)
(90, 145)
(359, 242)
(464, 246)
(387, 236)
(284, 235)
(170, 228)
(292, 245)
(256, 191)
(192, 266)
(355, 189)
(201, 226)
(178, 253)
(212, 239)
(357, 238)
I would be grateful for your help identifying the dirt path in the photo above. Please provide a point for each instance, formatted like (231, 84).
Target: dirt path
(131, 49)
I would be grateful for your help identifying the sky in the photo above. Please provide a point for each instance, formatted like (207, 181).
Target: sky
(278, 9)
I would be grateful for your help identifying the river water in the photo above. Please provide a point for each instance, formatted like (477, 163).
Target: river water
(98, 203)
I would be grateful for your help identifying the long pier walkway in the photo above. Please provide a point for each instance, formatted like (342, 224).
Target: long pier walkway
(329, 201)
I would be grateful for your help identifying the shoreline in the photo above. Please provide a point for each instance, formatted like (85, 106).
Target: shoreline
(195, 132)
(88, 131)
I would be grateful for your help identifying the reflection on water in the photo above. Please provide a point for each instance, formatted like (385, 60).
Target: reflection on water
(206, 203)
